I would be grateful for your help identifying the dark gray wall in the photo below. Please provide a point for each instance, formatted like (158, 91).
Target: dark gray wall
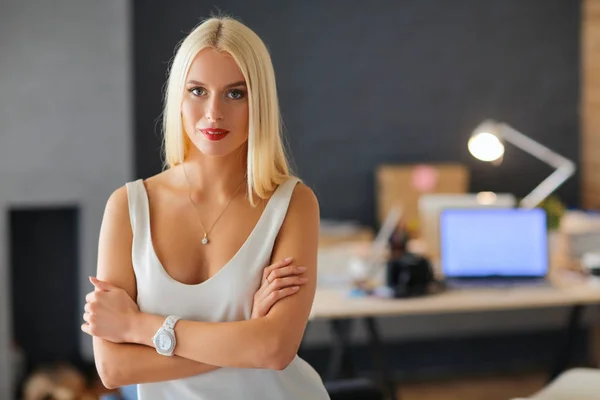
(365, 83)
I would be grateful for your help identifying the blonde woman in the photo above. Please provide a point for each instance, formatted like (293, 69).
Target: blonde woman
(207, 271)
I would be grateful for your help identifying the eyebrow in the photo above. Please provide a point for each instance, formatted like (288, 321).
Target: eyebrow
(239, 83)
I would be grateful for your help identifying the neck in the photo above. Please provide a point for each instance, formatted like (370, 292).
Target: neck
(214, 178)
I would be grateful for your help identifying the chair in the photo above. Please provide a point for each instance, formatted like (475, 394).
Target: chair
(573, 384)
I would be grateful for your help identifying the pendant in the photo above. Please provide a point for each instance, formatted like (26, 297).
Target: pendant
(204, 239)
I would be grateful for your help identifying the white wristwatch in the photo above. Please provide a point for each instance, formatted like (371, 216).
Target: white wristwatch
(164, 339)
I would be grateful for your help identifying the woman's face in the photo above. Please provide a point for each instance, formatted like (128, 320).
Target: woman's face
(215, 104)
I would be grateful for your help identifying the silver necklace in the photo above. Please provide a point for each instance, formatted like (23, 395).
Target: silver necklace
(206, 232)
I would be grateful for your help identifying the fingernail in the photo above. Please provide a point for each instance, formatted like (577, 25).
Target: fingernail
(301, 269)
(294, 288)
(304, 279)
(288, 259)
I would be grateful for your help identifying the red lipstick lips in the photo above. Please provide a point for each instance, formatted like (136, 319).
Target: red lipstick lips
(214, 134)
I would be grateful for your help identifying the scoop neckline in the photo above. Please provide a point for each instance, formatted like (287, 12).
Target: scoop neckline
(226, 265)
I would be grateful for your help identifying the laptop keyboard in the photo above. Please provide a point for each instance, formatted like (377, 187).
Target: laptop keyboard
(494, 282)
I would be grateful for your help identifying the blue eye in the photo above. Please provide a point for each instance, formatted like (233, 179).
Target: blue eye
(235, 94)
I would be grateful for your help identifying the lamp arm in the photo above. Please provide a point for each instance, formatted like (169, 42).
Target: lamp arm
(564, 167)
(547, 186)
(532, 147)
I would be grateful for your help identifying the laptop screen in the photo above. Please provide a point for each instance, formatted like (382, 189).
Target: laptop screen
(493, 242)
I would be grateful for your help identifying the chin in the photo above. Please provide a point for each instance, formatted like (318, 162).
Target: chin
(218, 149)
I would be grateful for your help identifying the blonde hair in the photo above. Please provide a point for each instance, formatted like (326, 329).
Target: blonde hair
(267, 165)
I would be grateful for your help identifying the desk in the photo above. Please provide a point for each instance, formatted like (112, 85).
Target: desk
(567, 290)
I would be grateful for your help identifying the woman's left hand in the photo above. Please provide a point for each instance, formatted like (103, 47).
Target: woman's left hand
(109, 312)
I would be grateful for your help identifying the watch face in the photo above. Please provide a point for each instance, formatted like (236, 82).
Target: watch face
(164, 341)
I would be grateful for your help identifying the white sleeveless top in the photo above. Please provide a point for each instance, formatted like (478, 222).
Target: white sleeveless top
(226, 296)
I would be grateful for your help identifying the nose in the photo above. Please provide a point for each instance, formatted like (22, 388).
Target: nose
(214, 110)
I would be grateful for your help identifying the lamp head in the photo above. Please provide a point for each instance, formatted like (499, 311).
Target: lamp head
(485, 143)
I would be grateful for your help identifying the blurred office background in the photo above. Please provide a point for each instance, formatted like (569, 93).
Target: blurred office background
(361, 85)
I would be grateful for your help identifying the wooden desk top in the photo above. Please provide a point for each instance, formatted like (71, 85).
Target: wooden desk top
(567, 291)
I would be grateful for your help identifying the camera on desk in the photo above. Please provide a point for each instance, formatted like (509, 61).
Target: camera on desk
(409, 275)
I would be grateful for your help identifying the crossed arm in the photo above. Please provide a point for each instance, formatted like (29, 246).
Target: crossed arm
(270, 341)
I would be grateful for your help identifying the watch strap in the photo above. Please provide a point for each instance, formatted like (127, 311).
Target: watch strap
(170, 322)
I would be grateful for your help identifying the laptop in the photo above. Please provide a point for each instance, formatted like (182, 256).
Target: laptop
(495, 246)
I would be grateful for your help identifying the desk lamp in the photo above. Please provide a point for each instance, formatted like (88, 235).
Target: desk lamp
(486, 144)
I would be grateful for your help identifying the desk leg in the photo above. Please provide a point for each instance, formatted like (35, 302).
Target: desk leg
(379, 360)
(565, 350)
(594, 341)
(340, 364)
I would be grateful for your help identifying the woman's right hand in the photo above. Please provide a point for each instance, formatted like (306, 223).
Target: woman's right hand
(279, 281)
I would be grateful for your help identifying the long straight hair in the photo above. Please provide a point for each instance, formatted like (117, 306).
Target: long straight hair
(267, 165)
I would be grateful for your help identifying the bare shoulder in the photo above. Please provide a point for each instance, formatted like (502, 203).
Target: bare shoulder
(161, 181)
(117, 204)
(162, 177)
(303, 211)
(304, 201)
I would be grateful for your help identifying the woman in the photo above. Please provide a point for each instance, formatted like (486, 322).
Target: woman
(211, 322)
